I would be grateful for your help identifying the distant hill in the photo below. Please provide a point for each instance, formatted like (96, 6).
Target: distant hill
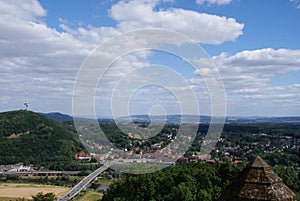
(179, 118)
(57, 116)
(31, 138)
(207, 119)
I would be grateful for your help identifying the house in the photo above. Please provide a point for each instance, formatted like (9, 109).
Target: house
(205, 157)
(83, 156)
(100, 156)
(194, 158)
(210, 161)
(236, 162)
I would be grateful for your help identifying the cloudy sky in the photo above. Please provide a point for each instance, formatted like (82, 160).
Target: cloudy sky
(254, 45)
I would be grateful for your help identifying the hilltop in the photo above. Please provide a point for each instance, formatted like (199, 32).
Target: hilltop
(31, 138)
(57, 116)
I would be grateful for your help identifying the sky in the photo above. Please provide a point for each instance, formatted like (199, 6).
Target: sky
(251, 47)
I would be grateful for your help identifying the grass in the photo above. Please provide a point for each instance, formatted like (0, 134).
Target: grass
(106, 181)
(91, 196)
(14, 191)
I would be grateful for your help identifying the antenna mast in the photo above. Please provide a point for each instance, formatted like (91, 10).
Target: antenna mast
(26, 104)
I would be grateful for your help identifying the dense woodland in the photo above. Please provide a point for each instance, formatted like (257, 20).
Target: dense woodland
(189, 182)
(29, 138)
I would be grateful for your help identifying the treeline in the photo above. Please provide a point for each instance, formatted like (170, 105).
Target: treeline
(189, 182)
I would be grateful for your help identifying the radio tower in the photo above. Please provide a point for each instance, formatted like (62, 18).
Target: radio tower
(26, 104)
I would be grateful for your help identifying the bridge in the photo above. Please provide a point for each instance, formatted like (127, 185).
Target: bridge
(88, 179)
(83, 183)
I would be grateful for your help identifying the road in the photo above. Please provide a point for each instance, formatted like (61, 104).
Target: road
(88, 179)
(43, 173)
(83, 183)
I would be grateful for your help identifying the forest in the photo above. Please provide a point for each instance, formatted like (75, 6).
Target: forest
(189, 182)
(29, 138)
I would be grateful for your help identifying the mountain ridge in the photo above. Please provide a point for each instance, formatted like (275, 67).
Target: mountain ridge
(177, 118)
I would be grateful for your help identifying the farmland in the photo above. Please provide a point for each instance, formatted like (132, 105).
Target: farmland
(17, 190)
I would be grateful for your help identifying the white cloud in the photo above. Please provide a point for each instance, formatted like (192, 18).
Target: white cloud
(297, 2)
(255, 69)
(218, 2)
(36, 60)
(248, 76)
(292, 88)
(265, 62)
(201, 27)
(42, 63)
(27, 10)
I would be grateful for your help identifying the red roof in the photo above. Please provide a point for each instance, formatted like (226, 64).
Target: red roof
(82, 156)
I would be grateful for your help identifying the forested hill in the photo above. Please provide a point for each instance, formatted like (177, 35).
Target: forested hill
(30, 138)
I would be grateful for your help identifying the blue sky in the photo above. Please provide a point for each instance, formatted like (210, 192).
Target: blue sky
(253, 43)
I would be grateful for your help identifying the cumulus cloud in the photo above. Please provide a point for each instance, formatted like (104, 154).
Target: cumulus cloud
(248, 75)
(36, 60)
(248, 69)
(201, 27)
(131, 15)
(28, 10)
(41, 62)
(218, 2)
(265, 62)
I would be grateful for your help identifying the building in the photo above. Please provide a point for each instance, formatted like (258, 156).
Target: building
(205, 157)
(20, 168)
(83, 156)
(194, 158)
(258, 182)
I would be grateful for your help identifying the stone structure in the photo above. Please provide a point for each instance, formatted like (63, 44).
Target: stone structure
(258, 182)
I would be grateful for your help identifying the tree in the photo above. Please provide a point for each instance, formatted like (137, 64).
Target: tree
(189, 182)
(47, 197)
(184, 191)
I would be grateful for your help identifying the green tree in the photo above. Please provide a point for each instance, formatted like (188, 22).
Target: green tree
(41, 197)
(184, 191)
(189, 182)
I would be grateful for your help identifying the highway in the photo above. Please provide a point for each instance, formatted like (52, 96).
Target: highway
(83, 183)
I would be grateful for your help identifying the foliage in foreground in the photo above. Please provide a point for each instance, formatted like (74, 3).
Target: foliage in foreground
(189, 182)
